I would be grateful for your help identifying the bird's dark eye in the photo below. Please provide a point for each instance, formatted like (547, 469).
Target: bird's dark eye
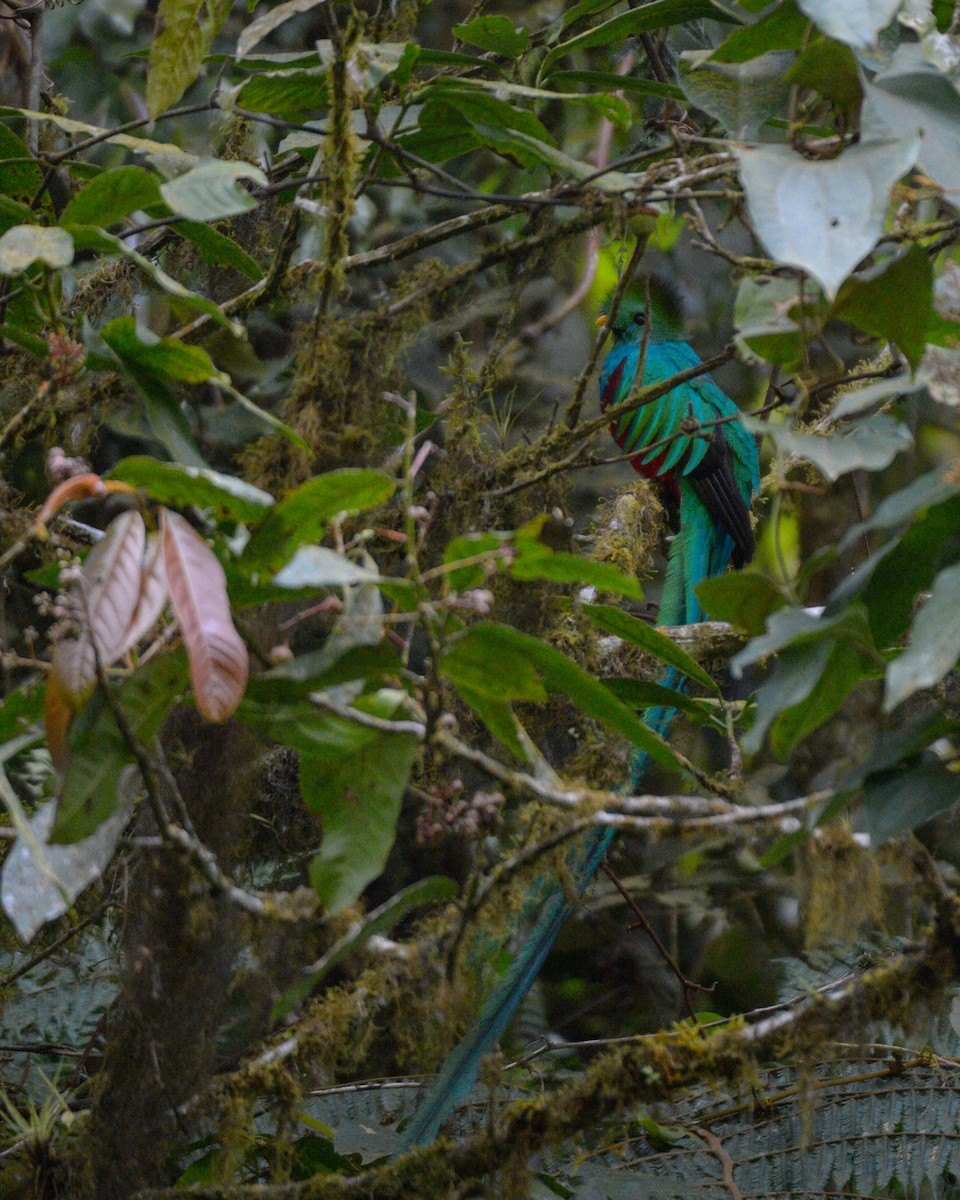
(640, 317)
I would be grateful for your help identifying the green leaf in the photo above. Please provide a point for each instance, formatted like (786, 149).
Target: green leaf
(868, 445)
(741, 96)
(498, 716)
(658, 14)
(823, 215)
(652, 641)
(492, 651)
(210, 190)
(842, 668)
(798, 627)
(855, 22)
(934, 642)
(495, 33)
(302, 516)
(293, 95)
(782, 28)
(314, 672)
(830, 68)
(474, 662)
(357, 796)
(143, 353)
(111, 196)
(893, 300)
(535, 558)
(23, 245)
(381, 920)
(217, 250)
(612, 107)
(187, 30)
(744, 598)
(901, 506)
(98, 751)
(167, 483)
(896, 802)
(20, 173)
(644, 693)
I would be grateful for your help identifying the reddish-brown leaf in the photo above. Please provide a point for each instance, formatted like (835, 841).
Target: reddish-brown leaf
(153, 597)
(108, 595)
(57, 715)
(198, 592)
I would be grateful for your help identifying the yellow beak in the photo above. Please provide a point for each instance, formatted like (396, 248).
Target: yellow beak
(601, 320)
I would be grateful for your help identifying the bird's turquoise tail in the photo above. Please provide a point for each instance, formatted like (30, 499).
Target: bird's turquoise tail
(462, 1067)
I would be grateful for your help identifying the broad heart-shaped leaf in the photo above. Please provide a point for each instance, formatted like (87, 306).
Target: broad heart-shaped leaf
(169, 483)
(855, 22)
(893, 300)
(303, 515)
(23, 245)
(495, 33)
(934, 644)
(659, 14)
(357, 794)
(107, 595)
(868, 445)
(37, 892)
(493, 650)
(99, 752)
(188, 28)
(825, 215)
(741, 96)
(111, 196)
(198, 592)
(911, 95)
(639, 633)
(210, 190)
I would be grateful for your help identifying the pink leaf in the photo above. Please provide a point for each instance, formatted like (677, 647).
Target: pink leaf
(198, 592)
(107, 595)
(153, 597)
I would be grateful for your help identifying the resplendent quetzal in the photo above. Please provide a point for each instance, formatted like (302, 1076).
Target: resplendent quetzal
(713, 471)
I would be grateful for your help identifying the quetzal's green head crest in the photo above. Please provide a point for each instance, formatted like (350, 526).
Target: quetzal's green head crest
(648, 298)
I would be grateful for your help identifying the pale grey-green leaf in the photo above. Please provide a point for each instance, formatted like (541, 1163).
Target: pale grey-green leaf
(912, 98)
(823, 216)
(856, 22)
(35, 892)
(23, 245)
(869, 445)
(209, 190)
(934, 642)
(319, 566)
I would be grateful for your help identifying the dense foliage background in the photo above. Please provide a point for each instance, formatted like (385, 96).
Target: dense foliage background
(328, 604)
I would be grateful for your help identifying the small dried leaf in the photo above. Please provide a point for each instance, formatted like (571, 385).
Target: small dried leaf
(198, 592)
